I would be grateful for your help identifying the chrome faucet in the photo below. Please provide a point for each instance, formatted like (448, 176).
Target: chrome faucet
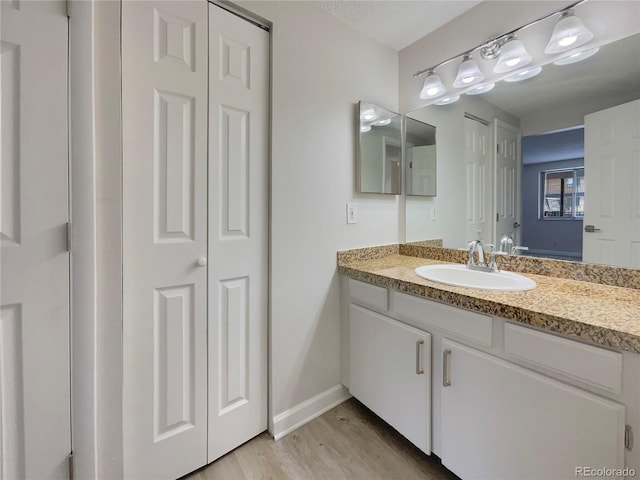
(474, 246)
(478, 246)
(506, 244)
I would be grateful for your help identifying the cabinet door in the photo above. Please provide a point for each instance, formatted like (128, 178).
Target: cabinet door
(390, 369)
(503, 421)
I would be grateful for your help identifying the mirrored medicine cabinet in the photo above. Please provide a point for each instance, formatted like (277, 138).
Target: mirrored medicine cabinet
(381, 140)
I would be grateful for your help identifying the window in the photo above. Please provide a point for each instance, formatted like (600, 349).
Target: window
(563, 194)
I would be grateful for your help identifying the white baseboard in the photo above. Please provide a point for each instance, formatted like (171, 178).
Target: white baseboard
(295, 417)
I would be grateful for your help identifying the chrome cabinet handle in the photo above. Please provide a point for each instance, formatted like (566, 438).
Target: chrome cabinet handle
(591, 228)
(419, 369)
(446, 382)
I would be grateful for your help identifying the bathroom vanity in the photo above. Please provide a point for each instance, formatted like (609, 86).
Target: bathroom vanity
(529, 384)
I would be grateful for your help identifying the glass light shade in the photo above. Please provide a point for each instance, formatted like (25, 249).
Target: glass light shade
(513, 54)
(382, 122)
(480, 89)
(433, 87)
(365, 128)
(368, 114)
(577, 57)
(568, 33)
(447, 100)
(523, 74)
(468, 73)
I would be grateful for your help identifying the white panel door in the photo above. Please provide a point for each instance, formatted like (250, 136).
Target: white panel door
(164, 108)
(390, 372)
(479, 182)
(612, 192)
(238, 229)
(502, 421)
(34, 316)
(507, 182)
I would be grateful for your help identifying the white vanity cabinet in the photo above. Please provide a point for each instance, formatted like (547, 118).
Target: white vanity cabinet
(497, 400)
(390, 371)
(502, 421)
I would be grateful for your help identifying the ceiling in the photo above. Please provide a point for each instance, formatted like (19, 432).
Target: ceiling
(396, 23)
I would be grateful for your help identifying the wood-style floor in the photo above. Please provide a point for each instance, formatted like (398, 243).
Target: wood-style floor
(347, 442)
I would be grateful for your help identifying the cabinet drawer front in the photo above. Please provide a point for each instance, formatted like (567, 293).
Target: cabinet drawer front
(595, 366)
(474, 326)
(370, 295)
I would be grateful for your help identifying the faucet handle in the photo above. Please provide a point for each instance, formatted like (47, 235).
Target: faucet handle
(492, 258)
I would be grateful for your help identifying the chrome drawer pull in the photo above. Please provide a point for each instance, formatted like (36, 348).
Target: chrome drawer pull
(419, 369)
(446, 382)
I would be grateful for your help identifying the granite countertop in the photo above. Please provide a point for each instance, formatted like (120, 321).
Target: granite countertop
(601, 314)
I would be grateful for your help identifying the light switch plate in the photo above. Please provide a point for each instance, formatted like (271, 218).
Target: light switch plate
(434, 212)
(352, 213)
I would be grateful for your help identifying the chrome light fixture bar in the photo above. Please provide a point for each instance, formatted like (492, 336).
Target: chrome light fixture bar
(490, 49)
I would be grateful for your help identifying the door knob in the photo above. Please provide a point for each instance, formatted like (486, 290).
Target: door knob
(202, 262)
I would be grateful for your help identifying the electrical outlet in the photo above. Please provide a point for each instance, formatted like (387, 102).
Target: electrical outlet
(352, 213)
(434, 212)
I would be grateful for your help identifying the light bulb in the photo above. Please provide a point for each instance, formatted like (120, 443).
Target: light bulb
(566, 41)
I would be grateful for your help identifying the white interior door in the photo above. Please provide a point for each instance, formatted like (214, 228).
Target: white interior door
(35, 437)
(164, 108)
(612, 192)
(507, 175)
(479, 182)
(238, 230)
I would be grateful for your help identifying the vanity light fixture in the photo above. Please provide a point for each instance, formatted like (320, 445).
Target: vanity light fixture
(480, 89)
(365, 128)
(513, 54)
(468, 73)
(523, 74)
(568, 33)
(448, 99)
(577, 57)
(432, 87)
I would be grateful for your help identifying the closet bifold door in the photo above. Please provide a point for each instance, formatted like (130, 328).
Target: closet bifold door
(238, 230)
(164, 115)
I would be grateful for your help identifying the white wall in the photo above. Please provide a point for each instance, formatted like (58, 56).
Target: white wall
(320, 69)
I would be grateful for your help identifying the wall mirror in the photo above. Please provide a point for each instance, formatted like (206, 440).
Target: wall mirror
(495, 151)
(420, 158)
(379, 157)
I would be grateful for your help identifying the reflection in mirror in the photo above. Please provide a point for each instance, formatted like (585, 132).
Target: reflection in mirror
(420, 158)
(575, 185)
(379, 159)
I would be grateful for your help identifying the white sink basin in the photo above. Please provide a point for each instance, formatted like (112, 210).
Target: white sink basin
(460, 276)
